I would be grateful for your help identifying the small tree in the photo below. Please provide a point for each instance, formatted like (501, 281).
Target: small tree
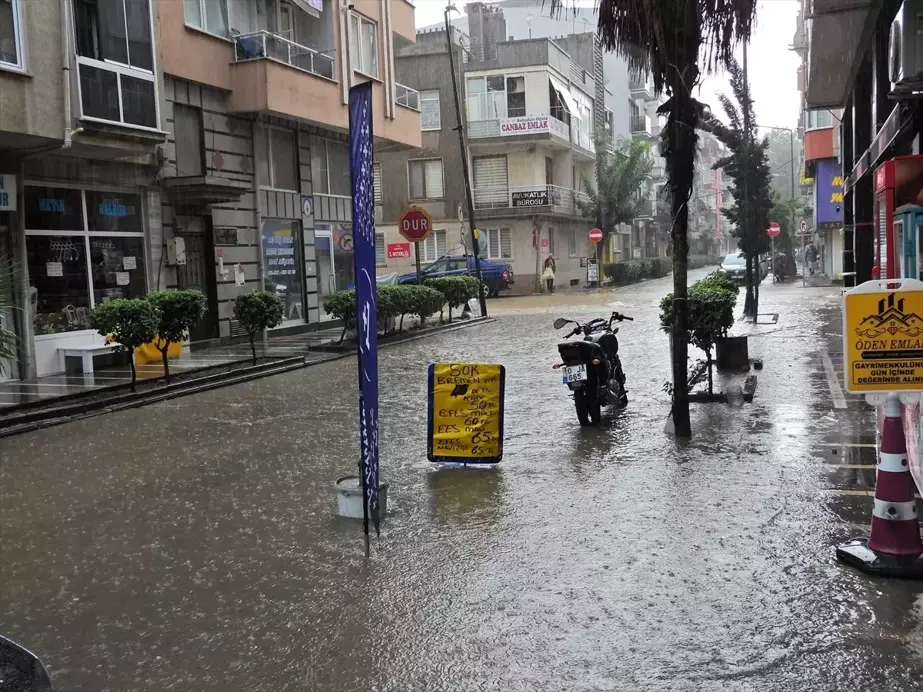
(256, 312)
(341, 305)
(457, 290)
(179, 312)
(132, 322)
(426, 301)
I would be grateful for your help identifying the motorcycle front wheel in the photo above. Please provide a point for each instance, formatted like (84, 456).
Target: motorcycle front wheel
(588, 412)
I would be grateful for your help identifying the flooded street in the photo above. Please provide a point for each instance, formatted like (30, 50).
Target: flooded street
(192, 545)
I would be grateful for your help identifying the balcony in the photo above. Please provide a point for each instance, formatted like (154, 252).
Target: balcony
(527, 199)
(519, 128)
(640, 125)
(260, 45)
(641, 87)
(406, 97)
(645, 209)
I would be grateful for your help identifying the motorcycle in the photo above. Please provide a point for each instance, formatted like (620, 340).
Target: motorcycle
(20, 669)
(592, 367)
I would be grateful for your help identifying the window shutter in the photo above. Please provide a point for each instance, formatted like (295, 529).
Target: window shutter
(490, 182)
(493, 244)
(377, 183)
(506, 244)
(433, 179)
(440, 244)
(415, 170)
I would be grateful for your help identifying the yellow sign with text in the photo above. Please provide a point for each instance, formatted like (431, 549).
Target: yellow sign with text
(465, 417)
(883, 337)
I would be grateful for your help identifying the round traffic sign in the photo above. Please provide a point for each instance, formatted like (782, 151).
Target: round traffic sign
(774, 230)
(804, 225)
(596, 235)
(415, 224)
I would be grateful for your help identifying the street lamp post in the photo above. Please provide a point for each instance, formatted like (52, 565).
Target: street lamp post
(463, 144)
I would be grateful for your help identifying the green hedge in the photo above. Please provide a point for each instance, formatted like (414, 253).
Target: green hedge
(457, 290)
(394, 302)
(636, 270)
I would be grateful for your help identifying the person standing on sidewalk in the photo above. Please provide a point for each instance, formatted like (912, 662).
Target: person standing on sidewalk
(810, 257)
(548, 273)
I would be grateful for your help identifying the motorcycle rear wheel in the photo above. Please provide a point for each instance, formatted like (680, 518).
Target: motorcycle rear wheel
(588, 412)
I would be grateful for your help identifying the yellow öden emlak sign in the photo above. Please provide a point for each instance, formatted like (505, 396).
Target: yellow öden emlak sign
(883, 336)
(465, 413)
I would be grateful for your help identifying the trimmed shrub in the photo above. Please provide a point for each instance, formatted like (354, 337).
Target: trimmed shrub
(256, 312)
(179, 312)
(132, 322)
(341, 305)
(457, 290)
(426, 301)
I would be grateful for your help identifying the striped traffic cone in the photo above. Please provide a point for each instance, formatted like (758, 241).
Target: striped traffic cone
(893, 548)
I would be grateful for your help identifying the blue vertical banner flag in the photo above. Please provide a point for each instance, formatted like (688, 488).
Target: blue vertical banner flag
(361, 173)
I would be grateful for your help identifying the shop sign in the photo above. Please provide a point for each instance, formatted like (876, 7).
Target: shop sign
(7, 192)
(537, 124)
(829, 185)
(398, 250)
(114, 212)
(883, 337)
(534, 198)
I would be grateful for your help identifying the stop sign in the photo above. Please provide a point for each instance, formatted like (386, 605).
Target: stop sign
(774, 230)
(596, 235)
(415, 224)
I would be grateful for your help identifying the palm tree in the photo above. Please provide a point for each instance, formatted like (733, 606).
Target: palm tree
(621, 168)
(667, 38)
(747, 164)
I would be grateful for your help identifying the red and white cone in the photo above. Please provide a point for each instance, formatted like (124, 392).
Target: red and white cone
(893, 547)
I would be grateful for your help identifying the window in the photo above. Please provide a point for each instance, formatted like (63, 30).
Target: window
(815, 120)
(499, 243)
(515, 97)
(208, 15)
(425, 179)
(116, 61)
(487, 98)
(277, 162)
(283, 265)
(363, 38)
(330, 167)
(430, 115)
(572, 243)
(381, 255)
(187, 131)
(550, 240)
(83, 248)
(376, 173)
(434, 246)
(11, 53)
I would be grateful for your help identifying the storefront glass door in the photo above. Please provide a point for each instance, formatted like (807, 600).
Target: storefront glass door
(334, 251)
(9, 368)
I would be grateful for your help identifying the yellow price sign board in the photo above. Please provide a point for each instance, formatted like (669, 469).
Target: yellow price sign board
(465, 416)
(883, 336)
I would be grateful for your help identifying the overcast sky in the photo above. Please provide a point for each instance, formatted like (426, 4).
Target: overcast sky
(772, 66)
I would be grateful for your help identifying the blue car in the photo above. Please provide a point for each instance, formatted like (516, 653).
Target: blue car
(496, 276)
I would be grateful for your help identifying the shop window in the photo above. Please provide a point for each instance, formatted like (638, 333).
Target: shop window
(363, 39)
(330, 167)
(425, 179)
(499, 243)
(187, 131)
(114, 212)
(58, 287)
(283, 265)
(208, 15)
(53, 209)
(278, 160)
(381, 255)
(11, 53)
(117, 267)
(116, 61)
(430, 114)
(434, 246)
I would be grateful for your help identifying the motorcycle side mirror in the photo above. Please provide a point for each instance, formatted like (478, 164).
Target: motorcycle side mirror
(560, 323)
(21, 669)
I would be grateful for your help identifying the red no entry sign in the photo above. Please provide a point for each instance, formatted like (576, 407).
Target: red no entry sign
(774, 230)
(596, 235)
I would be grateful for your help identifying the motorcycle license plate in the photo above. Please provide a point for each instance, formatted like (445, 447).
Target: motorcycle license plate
(574, 373)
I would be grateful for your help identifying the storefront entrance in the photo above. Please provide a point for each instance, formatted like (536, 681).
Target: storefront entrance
(333, 244)
(199, 273)
(9, 367)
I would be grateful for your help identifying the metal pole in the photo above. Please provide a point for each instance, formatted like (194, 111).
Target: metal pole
(464, 156)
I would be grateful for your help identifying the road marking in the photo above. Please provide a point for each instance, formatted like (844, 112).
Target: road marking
(839, 401)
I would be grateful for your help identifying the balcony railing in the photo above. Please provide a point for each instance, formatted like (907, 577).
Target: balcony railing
(641, 87)
(640, 125)
(265, 44)
(519, 127)
(526, 197)
(406, 97)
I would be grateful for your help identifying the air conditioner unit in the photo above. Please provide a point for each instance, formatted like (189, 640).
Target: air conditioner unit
(905, 61)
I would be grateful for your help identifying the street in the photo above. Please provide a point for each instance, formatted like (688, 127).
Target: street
(192, 545)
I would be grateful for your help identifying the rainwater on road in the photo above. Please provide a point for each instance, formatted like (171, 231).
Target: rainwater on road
(192, 545)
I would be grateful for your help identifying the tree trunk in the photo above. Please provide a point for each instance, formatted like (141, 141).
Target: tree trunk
(401, 328)
(253, 345)
(134, 373)
(681, 126)
(708, 364)
(748, 301)
(756, 289)
(166, 364)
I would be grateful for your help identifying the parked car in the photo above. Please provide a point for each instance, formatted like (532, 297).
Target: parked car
(734, 267)
(497, 276)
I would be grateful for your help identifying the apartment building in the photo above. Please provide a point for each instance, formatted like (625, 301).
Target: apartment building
(709, 231)
(189, 144)
(531, 114)
(81, 125)
(256, 166)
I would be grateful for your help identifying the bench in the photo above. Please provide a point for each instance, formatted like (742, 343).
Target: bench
(86, 353)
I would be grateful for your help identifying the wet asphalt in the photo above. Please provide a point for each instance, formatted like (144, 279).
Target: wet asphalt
(192, 545)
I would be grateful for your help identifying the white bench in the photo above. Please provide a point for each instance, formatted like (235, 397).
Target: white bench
(86, 353)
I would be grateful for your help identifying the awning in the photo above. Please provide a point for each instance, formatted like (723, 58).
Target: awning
(840, 33)
(312, 7)
(564, 94)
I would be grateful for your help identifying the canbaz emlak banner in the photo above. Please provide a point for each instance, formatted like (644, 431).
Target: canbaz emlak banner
(361, 173)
